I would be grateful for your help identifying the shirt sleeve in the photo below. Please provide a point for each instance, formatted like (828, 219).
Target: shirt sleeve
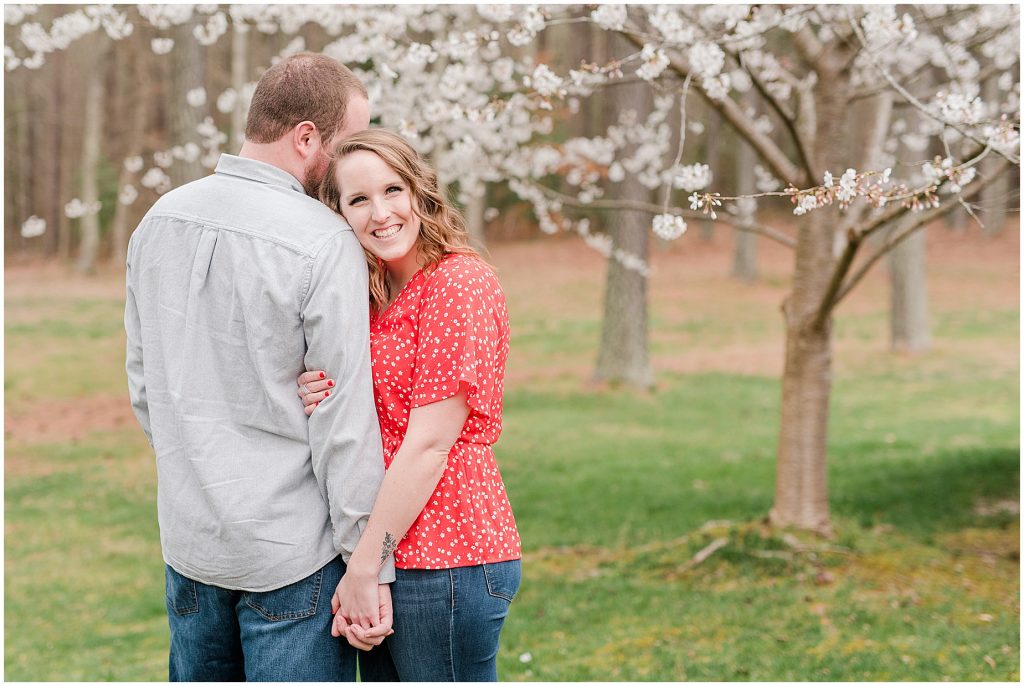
(133, 352)
(460, 326)
(344, 435)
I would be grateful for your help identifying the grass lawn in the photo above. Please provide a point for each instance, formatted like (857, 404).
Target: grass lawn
(615, 492)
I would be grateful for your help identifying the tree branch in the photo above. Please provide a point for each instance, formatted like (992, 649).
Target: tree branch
(989, 70)
(788, 118)
(808, 45)
(911, 99)
(765, 146)
(704, 553)
(828, 300)
(651, 208)
(757, 228)
(896, 211)
(904, 232)
(986, 73)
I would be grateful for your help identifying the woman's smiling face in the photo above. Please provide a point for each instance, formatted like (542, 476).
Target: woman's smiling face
(378, 205)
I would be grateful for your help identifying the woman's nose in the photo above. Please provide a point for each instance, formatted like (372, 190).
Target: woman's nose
(380, 212)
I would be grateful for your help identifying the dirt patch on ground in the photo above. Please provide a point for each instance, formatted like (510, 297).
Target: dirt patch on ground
(23, 279)
(57, 421)
(989, 508)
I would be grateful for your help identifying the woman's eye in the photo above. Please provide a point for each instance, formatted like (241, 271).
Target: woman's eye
(394, 189)
(357, 199)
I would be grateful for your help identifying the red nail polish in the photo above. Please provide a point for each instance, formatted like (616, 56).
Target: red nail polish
(330, 383)
(326, 393)
(322, 375)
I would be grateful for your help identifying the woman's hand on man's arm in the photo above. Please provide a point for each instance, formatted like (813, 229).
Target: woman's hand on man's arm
(314, 386)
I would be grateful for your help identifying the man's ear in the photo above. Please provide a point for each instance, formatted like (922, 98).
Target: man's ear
(305, 139)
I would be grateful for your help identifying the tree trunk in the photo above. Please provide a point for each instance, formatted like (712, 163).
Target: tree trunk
(623, 357)
(595, 117)
(239, 74)
(910, 331)
(188, 73)
(475, 221)
(871, 120)
(801, 489)
(958, 220)
(133, 77)
(995, 198)
(62, 164)
(744, 262)
(710, 156)
(95, 91)
(623, 354)
(18, 161)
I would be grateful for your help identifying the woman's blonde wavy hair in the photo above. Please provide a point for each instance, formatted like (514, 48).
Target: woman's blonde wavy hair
(442, 228)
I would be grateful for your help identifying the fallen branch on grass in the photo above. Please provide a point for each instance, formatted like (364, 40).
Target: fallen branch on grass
(704, 553)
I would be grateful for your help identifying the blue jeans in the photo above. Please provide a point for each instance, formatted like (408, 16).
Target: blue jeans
(447, 623)
(282, 635)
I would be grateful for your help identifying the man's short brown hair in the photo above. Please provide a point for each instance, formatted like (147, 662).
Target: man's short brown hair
(303, 87)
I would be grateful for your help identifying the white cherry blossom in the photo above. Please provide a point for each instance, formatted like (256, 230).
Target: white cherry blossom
(76, 208)
(162, 46)
(693, 177)
(669, 227)
(196, 97)
(610, 17)
(33, 226)
(128, 194)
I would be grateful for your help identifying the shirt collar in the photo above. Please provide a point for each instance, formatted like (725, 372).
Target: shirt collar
(261, 172)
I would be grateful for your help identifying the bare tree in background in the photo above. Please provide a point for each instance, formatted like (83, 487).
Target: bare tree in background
(93, 117)
(623, 355)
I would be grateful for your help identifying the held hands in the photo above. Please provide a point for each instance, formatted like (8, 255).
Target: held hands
(313, 386)
(362, 608)
(368, 628)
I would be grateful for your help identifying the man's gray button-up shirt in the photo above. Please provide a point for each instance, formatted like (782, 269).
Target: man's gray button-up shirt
(237, 283)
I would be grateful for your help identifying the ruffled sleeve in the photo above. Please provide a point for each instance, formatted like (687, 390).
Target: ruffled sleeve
(462, 336)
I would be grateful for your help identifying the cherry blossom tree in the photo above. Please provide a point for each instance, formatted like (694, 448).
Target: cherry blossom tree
(829, 99)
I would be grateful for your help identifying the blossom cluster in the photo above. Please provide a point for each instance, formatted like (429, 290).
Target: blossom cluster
(76, 208)
(878, 188)
(653, 63)
(610, 17)
(668, 226)
(940, 170)
(63, 31)
(33, 226)
(705, 203)
(958, 108)
(692, 177)
(872, 186)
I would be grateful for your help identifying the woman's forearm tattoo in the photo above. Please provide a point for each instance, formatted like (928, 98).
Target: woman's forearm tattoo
(389, 546)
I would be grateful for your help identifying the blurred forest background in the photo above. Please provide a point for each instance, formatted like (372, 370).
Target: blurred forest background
(656, 473)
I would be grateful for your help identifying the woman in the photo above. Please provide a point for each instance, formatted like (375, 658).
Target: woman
(439, 339)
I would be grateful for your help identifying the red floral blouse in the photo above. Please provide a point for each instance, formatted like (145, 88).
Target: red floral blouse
(447, 327)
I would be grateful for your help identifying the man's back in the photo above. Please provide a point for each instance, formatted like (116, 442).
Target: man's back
(227, 275)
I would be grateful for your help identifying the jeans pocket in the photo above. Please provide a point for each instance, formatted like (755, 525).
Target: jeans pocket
(182, 598)
(503, 579)
(294, 601)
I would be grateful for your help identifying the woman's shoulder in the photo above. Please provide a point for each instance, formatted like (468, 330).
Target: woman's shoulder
(464, 278)
(458, 268)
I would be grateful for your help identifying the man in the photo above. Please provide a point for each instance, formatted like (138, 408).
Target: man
(235, 284)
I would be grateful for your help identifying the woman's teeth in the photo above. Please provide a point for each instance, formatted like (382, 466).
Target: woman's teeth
(388, 232)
